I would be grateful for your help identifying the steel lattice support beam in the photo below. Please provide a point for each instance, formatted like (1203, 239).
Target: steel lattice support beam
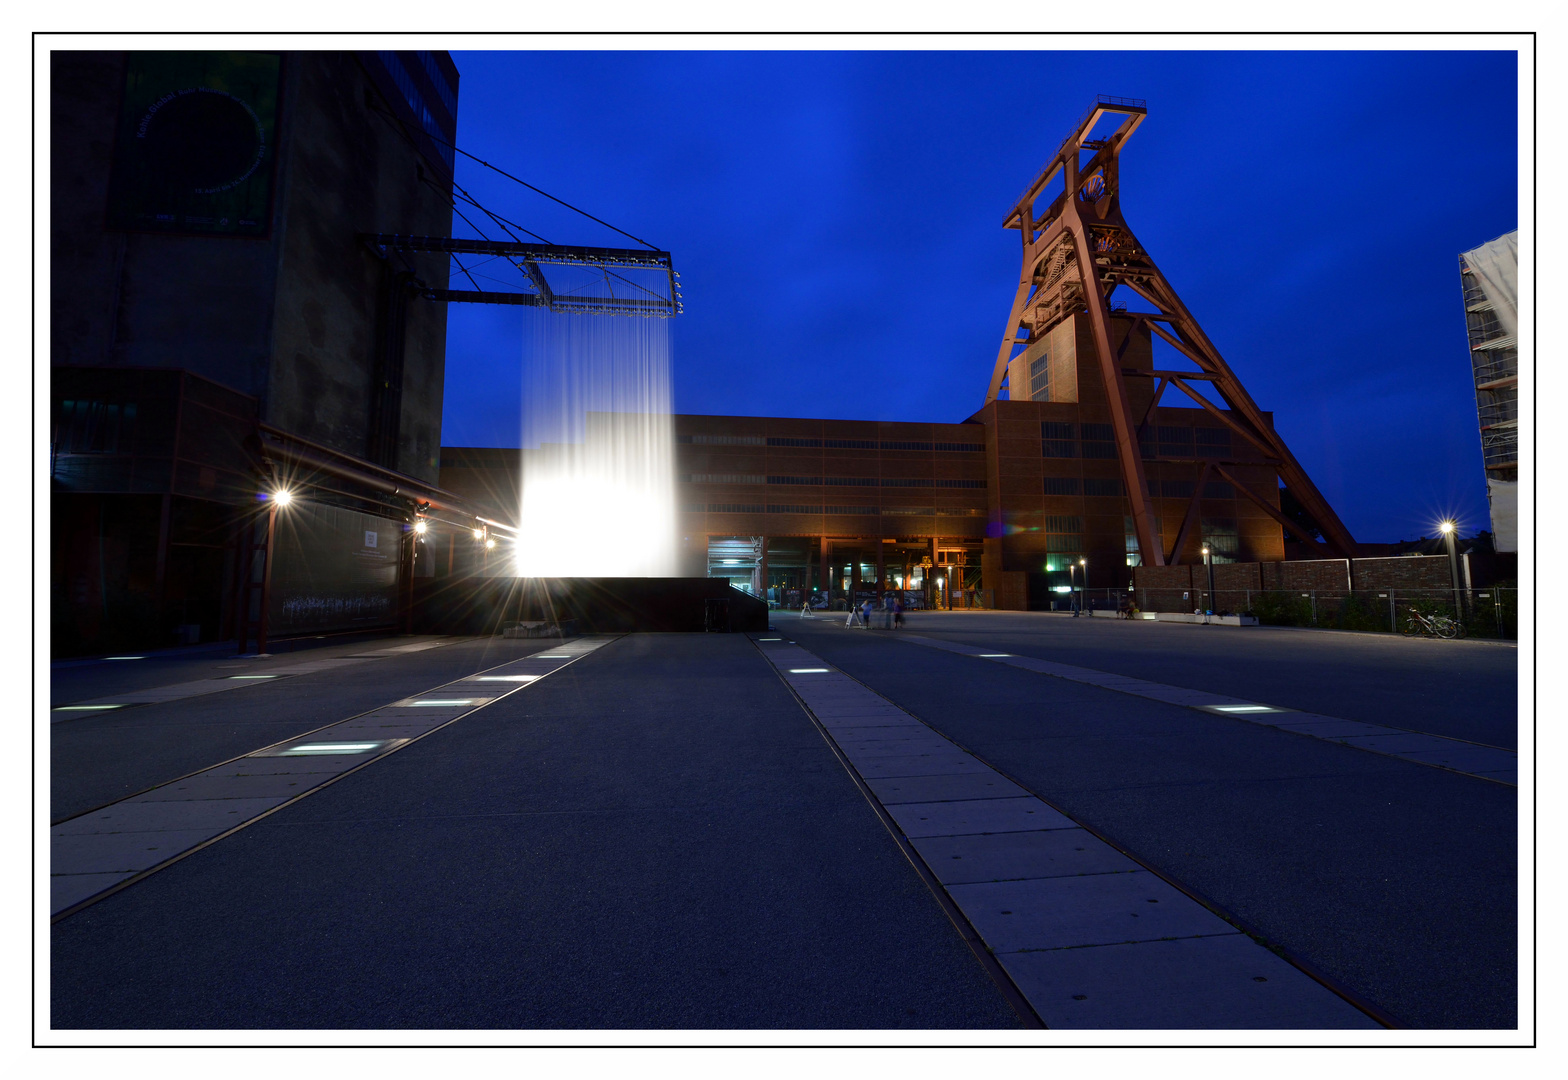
(1082, 237)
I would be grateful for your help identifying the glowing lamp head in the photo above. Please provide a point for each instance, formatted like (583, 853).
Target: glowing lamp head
(282, 497)
(489, 544)
(1205, 549)
(420, 527)
(1083, 562)
(1447, 527)
(479, 534)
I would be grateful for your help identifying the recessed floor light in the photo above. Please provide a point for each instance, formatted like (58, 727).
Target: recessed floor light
(443, 701)
(1244, 708)
(993, 655)
(769, 639)
(253, 676)
(503, 678)
(808, 670)
(125, 658)
(553, 656)
(84, 708)
(321, 749)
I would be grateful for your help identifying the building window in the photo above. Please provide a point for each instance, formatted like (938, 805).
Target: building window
(1218, 489)
(849, 444)
(960, 483)
(1093, 485)
(850, 510)
(1099, 440)
(854, 481)
(810, 481)
(1222, 537)
(1057, 440)
(962, 447)
(1061, 485)
(722, 478)
(721, 440)
(1175, 441)
(734, 508)
(1213, 442)
(95, 427)
(1178, 489)
(1040, 378)
(772, 509)
(774, 440)
(906, 445)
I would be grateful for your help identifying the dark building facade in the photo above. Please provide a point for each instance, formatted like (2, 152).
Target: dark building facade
(211, 299)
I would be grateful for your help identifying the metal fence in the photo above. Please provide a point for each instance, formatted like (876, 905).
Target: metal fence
(1491, 612)
(913, 600)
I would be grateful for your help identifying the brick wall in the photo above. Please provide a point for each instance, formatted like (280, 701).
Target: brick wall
(1313, 575)
(1407, 572)
(1012, 590)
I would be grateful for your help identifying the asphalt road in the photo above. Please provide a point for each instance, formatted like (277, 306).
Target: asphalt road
(655, 837)
(1395, 879)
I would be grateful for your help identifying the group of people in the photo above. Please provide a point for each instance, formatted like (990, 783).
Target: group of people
(892, 614)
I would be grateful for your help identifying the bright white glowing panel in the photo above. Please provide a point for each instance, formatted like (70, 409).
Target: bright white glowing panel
(443, 701)
(808, 671)
(84, 708)
(599, 464)
(993, 655)
(253, 676)
(769, 639)
(125, 658)
(321, 749)
(1244, 708)
(553, 656)
(505, 678)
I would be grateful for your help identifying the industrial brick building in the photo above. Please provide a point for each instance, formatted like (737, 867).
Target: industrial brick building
(218, 327)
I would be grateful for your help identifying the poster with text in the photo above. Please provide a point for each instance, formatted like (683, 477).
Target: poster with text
(195, 147)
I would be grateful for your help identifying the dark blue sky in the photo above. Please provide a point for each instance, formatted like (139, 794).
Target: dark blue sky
(836, 219)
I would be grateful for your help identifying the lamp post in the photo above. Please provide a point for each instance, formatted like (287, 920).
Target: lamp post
(1448, 529)
(1077, 594)
(1208, 561)
(278, 497)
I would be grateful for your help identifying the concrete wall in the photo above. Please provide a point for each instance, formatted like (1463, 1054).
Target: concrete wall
(290, 319)
(142, 300)
(346, 171)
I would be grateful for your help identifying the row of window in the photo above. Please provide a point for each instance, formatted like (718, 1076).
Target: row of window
(827, 481)
(1169, 489)
(831, 444)
(1065, 440)
(95, 427)
(850, 511)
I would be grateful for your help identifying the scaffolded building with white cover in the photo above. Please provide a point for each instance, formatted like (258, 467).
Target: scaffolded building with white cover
(1490, 277)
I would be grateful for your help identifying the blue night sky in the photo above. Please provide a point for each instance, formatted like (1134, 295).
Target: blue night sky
(836, 219)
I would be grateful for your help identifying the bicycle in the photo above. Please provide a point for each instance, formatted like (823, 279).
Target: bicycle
(1434, 625)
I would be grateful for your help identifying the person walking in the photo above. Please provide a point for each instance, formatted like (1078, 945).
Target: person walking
(865, 614)
(898, 612)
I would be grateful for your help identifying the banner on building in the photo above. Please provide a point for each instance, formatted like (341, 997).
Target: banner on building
(195, 144)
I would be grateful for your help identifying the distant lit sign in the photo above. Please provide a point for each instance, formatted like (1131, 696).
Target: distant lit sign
(370, 539)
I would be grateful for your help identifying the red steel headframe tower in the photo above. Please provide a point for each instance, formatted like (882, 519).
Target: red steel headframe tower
(1076, 251)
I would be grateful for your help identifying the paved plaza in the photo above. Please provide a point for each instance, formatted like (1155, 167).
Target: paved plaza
(980, 821)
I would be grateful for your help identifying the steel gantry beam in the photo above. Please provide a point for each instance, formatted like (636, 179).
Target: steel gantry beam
(627, 297)
(1075, 253)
